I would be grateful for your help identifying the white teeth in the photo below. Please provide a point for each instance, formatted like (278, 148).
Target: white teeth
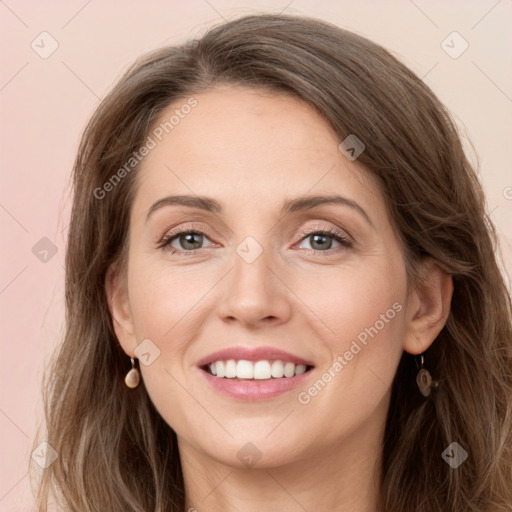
(231, 369)
(277, 369)
(300, 368)
(260, 370)
(220, 367)
(289, 370)
(244, 369)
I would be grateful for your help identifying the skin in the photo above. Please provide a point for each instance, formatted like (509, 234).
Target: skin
(251, 151)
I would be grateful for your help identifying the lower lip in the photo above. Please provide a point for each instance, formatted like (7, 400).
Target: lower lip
(254, 389)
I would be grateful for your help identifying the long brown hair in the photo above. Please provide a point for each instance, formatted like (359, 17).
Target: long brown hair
(115, 451)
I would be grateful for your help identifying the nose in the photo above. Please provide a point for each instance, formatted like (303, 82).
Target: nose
(254, 293)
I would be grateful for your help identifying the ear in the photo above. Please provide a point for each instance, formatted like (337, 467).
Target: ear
(428, 307)
(119, 306)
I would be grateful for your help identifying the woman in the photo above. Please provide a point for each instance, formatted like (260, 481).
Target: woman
(281, 289)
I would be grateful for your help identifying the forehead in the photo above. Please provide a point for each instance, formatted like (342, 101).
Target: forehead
(250, 144)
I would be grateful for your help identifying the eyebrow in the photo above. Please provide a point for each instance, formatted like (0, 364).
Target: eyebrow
(291, 206)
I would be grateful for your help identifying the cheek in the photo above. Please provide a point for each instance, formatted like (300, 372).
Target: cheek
(159, 301)
(162, 297)
(369, 313)
(163, 304)
(354, 302)
(376, 321)
(362, 313)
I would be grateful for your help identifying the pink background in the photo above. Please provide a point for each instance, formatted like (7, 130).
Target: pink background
(45, 104)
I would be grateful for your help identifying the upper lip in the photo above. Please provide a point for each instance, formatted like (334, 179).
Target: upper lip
(252, 354)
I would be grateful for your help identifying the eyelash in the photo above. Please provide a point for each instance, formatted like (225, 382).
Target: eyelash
(344, 241)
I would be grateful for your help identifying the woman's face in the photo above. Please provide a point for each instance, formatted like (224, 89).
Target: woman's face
(259, 274)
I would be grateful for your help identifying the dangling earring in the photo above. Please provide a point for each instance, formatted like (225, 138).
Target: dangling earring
(132, 378)
(424, 380)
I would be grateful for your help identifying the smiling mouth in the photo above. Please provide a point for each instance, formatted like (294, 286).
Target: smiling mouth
(263, 370)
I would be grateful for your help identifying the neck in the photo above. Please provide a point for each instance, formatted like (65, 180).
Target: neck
(341, 478)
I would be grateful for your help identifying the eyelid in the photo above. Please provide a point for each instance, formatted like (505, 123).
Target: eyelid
(328, 229)
(345, 242)
(171, 233)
